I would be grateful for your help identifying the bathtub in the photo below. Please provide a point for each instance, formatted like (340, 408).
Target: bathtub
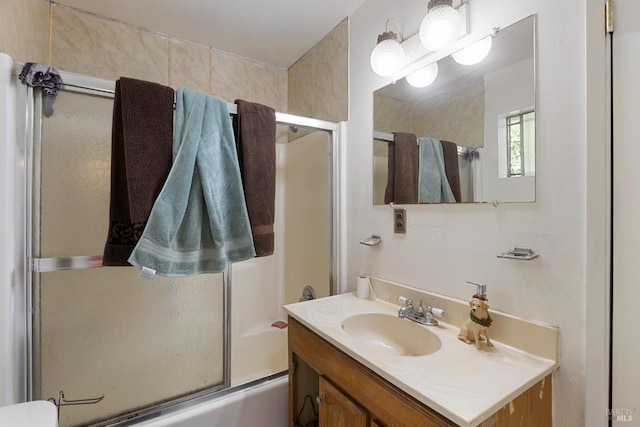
(268, 342)
(263, 404)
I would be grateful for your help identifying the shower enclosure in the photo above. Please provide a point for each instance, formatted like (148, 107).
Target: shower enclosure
(134, 347)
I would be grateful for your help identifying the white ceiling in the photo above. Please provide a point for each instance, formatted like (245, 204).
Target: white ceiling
(277, 32)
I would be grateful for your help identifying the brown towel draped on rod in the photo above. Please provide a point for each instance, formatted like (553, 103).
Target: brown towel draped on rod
(255, 129)
(141, 157)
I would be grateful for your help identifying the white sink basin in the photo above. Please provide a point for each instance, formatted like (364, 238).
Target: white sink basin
(392, 335)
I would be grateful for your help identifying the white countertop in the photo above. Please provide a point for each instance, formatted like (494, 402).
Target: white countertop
(462, 383)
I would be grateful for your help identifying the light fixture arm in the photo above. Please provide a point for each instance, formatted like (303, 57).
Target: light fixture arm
(434, 3)
(388, 56)
(398, 33)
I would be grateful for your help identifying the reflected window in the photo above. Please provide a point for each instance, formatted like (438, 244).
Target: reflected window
(518, 154)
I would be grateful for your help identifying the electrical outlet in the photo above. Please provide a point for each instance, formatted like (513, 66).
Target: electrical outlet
(399, 221)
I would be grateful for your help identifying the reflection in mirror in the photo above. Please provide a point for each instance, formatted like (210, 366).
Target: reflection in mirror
(469, 136)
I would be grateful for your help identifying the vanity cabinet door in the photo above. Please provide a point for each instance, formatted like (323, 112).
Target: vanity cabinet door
(337, 410)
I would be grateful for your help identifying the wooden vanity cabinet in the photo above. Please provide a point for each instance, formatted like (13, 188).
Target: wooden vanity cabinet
(383, 403)
(337, 410)
(351, 395)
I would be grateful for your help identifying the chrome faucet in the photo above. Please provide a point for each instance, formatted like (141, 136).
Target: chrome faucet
(424, 316)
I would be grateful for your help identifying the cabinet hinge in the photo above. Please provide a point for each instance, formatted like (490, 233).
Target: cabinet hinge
(608, 16)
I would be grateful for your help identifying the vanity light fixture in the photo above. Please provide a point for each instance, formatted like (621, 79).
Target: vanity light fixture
(473, 53)
(388, 56)
(441, 26)
(424, 76)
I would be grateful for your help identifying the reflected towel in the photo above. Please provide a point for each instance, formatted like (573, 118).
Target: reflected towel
(141, 144)
(255, 128)
(452, 168)
(402, 179)
(199, 223)
(433, 186)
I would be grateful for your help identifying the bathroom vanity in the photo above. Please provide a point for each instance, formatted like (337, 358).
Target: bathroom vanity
(359, 378)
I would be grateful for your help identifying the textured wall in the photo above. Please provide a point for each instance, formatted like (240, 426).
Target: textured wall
(456, 115)
(24, 29)
(392, 115)
(86, 44)
(318, 82)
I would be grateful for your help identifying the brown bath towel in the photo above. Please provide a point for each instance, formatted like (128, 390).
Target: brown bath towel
(141, 154)
(255, 131)
(402, 179)
(451, 168)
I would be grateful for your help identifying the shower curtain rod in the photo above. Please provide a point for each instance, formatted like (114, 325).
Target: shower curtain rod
(102, 87)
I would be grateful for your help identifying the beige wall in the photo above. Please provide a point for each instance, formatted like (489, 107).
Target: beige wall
(392, 115)
(24, 29)
(456, 115)
(307, 211)
(315, 86)
(319, 88)
(318, 82)
(86, 44)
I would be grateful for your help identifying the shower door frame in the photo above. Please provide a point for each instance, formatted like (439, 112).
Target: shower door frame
(28, 151)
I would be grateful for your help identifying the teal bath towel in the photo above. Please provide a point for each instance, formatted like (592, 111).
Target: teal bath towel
(433, 186)
(199, 223)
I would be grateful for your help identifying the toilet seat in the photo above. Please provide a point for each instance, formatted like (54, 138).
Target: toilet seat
(39, 413)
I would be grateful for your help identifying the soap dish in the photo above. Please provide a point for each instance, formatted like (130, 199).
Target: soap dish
(371, 241)
(524, 254)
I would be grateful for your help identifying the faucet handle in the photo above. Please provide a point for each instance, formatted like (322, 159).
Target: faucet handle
(438, 311)
(406, 301)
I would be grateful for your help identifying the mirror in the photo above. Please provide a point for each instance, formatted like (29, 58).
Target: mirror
(483, 117)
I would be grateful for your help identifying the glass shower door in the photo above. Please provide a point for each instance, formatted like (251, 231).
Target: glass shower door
(104, 331)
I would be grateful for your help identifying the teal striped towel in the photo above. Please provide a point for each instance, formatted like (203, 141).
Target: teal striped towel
(199, 223)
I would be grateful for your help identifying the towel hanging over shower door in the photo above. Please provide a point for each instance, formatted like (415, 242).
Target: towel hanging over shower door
(199, 223)
(255, 129)
(141, 146)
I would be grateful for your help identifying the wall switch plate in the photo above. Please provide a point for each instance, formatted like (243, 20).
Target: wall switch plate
(399, 221)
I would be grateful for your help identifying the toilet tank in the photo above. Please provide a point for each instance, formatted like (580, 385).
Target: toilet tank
(39, 413)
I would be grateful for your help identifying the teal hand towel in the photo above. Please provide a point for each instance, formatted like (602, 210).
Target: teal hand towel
(433, 186)
(199, 223)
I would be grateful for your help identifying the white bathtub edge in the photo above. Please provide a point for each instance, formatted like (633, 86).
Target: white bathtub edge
(241, 408)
